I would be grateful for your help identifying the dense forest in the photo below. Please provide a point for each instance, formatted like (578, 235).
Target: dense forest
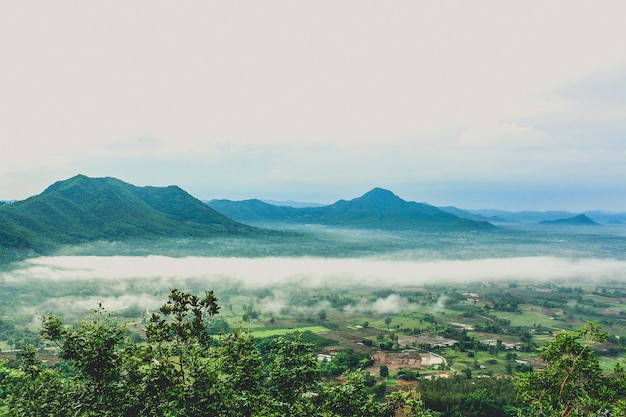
(184, 370)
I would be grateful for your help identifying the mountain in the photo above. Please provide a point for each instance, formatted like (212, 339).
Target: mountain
(530, 217)
(534, 217)
(580, 220)
(377, 208)
(464, 214)
(291, 203)
(83, 209)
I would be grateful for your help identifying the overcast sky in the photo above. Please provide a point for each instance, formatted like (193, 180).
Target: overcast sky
(482, 104)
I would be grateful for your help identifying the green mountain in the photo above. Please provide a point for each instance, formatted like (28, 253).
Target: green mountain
(83, 209)
(464, 214)
(580, 220)
(378, 209)
(256, 210)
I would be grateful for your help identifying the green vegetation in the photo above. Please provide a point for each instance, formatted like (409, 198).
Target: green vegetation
(282, 332)
(361, 343)
(183, 371)
(84, 209)
(572, 383)
(183, 368)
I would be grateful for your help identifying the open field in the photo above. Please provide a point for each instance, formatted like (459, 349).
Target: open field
(349, 319)
(282, 332)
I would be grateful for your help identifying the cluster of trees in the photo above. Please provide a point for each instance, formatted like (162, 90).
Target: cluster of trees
(460, 396)
(572, 383)
(184, 371)
(344, 361)
(15, 335)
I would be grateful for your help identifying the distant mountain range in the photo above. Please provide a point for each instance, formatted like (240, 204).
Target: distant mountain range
(292, 203)
(535, 217)
(83, 209)
(377, 208)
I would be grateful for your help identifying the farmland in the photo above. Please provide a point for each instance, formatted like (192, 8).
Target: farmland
(489, 328)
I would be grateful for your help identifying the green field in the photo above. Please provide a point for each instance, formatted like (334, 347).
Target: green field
(281, 332)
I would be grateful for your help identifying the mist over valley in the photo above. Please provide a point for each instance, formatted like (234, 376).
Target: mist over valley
(375, 276)
(374, 241)
(355, 209)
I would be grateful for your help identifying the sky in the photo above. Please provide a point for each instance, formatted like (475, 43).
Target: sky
(516, 105)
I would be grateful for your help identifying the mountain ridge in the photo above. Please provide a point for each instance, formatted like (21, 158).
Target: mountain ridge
(377, 208)
(580, 220)
(82, 209)
(534, 217)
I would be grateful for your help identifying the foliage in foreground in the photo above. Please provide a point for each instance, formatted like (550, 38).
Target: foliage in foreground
(182, 371)
(572, 383)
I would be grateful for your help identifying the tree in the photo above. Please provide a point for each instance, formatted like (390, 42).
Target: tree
(572, 383)
(351, 399)
(93, 349)
(384, 371)
(183, 371)
(477, 404)
(182, 326)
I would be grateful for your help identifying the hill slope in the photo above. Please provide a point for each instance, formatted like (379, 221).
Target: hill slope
(377, 208)
(580, 220)
(83, 209)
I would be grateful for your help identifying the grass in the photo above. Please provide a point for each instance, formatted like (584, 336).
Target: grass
(531, 317)
(608, 364)
(284, 331)
(390, 382)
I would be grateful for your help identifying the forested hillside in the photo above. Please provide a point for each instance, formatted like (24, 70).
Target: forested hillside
(83, 209)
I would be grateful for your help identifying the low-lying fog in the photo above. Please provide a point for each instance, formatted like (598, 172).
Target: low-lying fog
(259, 273)
(77, 280)
(74, 285)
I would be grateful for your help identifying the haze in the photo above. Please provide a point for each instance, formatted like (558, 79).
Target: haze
(121, 282)
(510, 105)
(312, 272)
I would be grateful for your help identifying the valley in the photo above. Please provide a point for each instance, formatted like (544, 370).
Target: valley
(410, 305)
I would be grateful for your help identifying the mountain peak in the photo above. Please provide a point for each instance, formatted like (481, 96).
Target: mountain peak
(379, 197)
(380, 194)
(81, 181)
(580, 220)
